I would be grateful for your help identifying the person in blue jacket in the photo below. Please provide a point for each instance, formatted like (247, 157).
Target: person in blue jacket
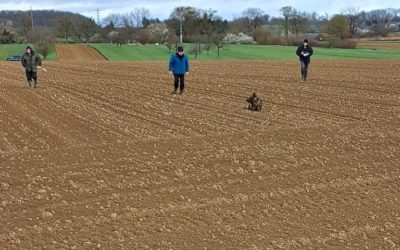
(304, 52)
(179, 67)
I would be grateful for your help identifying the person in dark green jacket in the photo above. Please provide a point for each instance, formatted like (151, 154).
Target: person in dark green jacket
(179, 67)
(31, 61)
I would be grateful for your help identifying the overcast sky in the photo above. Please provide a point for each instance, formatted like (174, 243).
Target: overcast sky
(228, 9)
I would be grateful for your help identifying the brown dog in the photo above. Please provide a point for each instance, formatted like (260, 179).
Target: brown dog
(254, 103)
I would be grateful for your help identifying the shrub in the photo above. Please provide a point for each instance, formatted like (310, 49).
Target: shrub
(158, 32)
(324, 44)
(263, 36)
(194, 50)
(344, 44)
(43, 40)
(238, 39)
(294, 41)
(312, 42)
(143, 36)
(7, 33)
(274, 41)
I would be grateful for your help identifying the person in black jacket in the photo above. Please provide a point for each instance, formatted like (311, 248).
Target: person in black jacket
(304, 52)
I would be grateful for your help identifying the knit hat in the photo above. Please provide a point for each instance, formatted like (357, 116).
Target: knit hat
(180, 49)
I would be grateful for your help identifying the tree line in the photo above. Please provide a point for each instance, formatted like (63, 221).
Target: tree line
(204, 28)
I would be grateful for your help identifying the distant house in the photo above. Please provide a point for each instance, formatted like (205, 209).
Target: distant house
(395, 26)
(364, 31)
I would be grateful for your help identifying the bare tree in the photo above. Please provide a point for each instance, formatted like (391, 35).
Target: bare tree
(115, 20)
(87, 29)
(158, 32)
(316, 22)
(136, 18)
(117, 37)
(254, 18)
(210, 24)
(194, 51)
(218, 40)
(238, 25)
(378, 20)
(298, 22)
(207, 22)
(185, 19)
(43, 40)
(127, 30)
(129, 24)
(139, 16)
(26, 26)
(354, 19)
(286, 13)
(208, 46)
(64, 27)
(172, 40)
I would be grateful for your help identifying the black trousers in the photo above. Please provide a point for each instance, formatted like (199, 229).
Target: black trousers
(304, 70)
(179, 81)
(31, 75)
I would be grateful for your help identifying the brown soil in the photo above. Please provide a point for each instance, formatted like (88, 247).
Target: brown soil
(74, 53)
(101, 155)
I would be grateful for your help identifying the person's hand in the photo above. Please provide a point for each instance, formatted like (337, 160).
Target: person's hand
(170, 72)
(187, 73)
(302, 53)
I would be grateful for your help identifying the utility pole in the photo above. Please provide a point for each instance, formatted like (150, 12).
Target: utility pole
(98, 16)
(32, 17)
(181, 32)
(181, 17)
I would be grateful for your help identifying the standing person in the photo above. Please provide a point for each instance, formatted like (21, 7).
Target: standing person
(179, 67)
(31, 61)
(304, 52)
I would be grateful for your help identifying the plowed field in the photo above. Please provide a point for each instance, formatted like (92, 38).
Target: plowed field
(102, 156)
(379, 45)
(78, 52)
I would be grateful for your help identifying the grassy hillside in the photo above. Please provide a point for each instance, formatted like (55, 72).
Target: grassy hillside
(132, 52)
(7, 50)
(239, 52)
